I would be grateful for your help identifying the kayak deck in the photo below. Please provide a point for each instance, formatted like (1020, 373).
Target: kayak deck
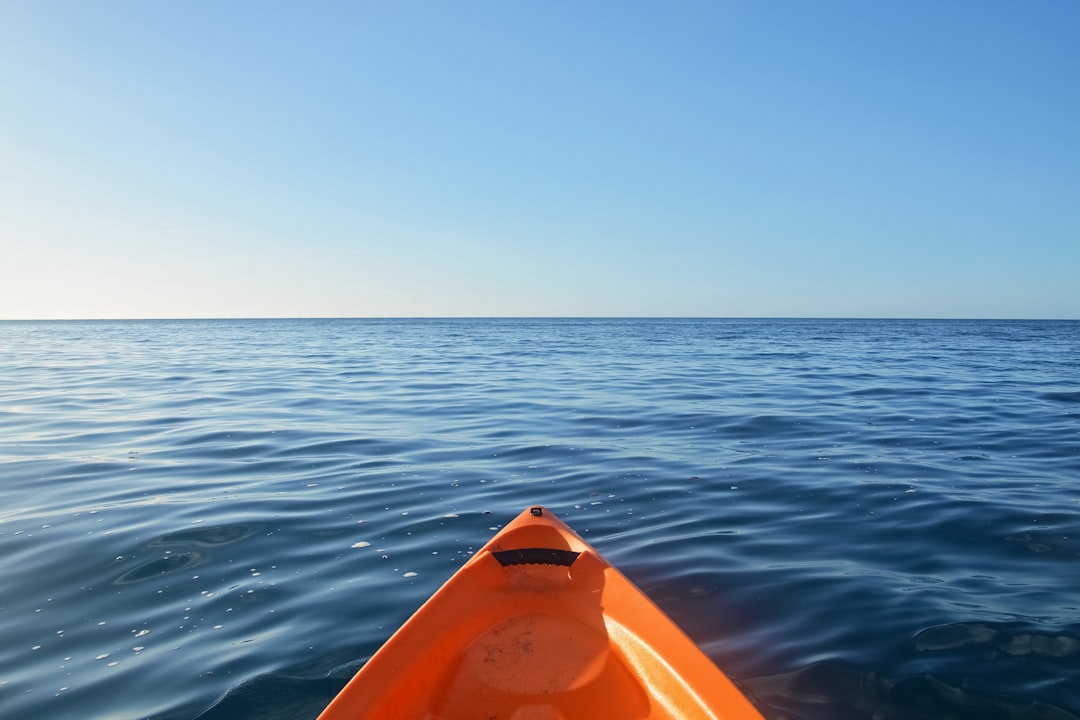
(538, 626)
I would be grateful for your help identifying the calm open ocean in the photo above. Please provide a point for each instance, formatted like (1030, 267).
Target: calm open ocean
(853, 518)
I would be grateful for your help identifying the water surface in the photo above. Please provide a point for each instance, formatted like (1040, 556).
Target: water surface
(853, 518)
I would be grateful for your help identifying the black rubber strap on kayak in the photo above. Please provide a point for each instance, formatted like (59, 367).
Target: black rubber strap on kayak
(536, 556)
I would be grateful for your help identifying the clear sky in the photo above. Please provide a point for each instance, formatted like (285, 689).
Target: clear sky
(917, 158)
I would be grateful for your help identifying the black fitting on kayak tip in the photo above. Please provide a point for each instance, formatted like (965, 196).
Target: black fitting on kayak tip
(536, 556)
(536, 511)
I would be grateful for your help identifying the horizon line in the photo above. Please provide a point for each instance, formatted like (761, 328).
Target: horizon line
(534, 317)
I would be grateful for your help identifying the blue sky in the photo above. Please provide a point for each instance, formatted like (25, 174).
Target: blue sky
(273, 159)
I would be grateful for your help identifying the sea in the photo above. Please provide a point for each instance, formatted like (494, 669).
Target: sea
(854, 519)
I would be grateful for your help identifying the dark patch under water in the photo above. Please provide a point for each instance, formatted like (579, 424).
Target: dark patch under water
(853, 518)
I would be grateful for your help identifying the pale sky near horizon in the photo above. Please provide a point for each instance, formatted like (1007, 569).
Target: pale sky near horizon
(325, 159)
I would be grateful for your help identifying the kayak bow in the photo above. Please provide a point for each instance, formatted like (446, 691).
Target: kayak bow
(538, 626)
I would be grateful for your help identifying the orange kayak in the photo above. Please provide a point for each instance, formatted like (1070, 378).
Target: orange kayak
(538, 626)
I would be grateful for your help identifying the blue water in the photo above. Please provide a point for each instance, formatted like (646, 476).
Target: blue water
(853, 518)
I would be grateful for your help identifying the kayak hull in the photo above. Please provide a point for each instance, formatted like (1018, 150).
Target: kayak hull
(538, 626)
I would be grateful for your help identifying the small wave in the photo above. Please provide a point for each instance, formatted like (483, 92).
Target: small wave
(350, 447)
(158, 567)
(271, 697)
(1065, 397)
(211, 536)
(1017, 642)
(831, 689)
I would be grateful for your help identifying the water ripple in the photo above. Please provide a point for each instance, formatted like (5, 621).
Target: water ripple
(858, 519)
